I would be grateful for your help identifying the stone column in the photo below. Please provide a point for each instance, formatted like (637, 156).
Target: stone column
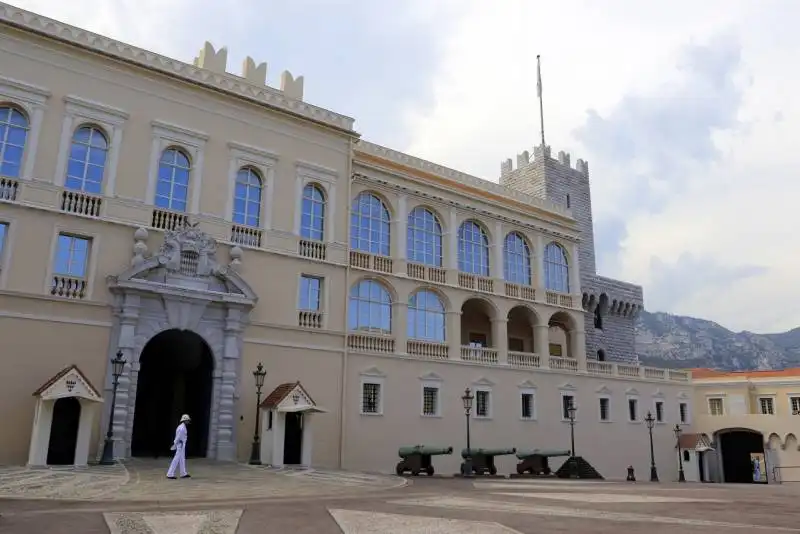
(453, 334)
(399, 238)
(126, 390)
(231, 364)
(538, 267)
(577, 339)
(400, 326)
(451, 249)
(541, 342)
(497, 260)
(575, 272)
(500, 339)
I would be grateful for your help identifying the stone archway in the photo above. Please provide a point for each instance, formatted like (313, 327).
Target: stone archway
(740, 447)
(175, 378)
(181, 287)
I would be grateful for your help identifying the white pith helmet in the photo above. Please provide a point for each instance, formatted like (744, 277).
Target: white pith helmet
(185, 418)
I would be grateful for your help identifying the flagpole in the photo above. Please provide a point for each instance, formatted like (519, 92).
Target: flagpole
(539, 93)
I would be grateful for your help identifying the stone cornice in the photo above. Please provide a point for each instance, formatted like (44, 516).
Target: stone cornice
(490, 189)
(227, 83)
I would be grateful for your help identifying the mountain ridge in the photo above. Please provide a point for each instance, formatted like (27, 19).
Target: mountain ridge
(678, 341)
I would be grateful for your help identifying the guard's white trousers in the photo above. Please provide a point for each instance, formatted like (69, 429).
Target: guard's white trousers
(178, 461)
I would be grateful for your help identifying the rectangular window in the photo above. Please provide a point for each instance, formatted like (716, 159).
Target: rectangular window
(659, 411)
(715, 407)
(370, 398)
(72, 256)
(3, 234)
(430, 401)
(310, 293)
(566, 402)
(633, 410)
(795, 405)
(482, 403)
(767, 405)
(605, 409)
(555, 349)
(516, 344)
(527, 405)
(683, 410)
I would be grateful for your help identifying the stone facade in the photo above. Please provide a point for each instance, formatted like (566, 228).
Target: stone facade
(615, 301)
(259, 258)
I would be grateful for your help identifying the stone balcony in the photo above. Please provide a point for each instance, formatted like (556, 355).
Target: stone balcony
(382, 344)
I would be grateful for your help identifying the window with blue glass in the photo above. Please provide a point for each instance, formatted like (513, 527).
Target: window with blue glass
(310, 293)
(247, 197)
(516, 259)
(72, 255)
(424, 243)
(473, 249)
(312, 220)
(87, 160)
(426, 317)
(556, 268)
(3, 234)
(13, 134)
(370, 307)
(172, 189)
(369, 225)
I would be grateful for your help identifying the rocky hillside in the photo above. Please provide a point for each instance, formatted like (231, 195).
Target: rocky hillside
(666, 340)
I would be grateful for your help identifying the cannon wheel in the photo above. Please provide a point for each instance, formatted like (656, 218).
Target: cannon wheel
(415, 472)
(399, 469)
(493, 470)
(520, 469)
(429, 470)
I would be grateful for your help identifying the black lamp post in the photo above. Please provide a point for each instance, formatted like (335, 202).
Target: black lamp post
(651, 422)
(681, 476)
(255, 454)
(571, 409)
(466, 466)
(118, 365)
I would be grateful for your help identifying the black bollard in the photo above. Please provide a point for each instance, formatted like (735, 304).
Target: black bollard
(631, 476)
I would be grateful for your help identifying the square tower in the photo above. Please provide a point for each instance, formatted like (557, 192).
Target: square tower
(610, 305)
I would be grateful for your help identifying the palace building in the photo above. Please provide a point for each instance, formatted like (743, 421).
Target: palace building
(199, 222)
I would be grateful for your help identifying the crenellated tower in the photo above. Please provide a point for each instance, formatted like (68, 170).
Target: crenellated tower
(610, 305)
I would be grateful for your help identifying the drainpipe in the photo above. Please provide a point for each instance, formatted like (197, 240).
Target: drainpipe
(345, 348)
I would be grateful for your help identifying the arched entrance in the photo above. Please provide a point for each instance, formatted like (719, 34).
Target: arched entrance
(737, 446)
(175, 377)
(64, 431)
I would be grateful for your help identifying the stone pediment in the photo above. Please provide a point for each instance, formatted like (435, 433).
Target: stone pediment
(290, 397)
(186, 261)
(69, 382)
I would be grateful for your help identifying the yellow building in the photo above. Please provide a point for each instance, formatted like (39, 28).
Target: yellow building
(200, 222)
(742, 414)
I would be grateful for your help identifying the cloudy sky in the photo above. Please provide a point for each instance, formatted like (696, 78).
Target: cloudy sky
(686, 111)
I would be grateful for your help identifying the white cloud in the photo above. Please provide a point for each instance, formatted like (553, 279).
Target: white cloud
(731, 217)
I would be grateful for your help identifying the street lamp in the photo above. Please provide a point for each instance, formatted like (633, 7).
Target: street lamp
(651, 422)
(571, 409)
(681, 476)
(466, 466)
(117, 366)
(255, 453)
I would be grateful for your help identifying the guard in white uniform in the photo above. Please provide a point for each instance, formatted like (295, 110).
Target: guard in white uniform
(179, 446)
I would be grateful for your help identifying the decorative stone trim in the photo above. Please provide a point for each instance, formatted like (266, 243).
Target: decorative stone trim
(33, 101)
(227, 83)
(264, 162)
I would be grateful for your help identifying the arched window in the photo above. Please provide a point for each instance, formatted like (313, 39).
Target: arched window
(516, 259)
(173, 180)
(426, 316)
(247, 197)
(87, 160)
(424, 237)
(312, 222)
(13, 134)
(556, 269)
(473, 249)
(370, 307)
(369, 225)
